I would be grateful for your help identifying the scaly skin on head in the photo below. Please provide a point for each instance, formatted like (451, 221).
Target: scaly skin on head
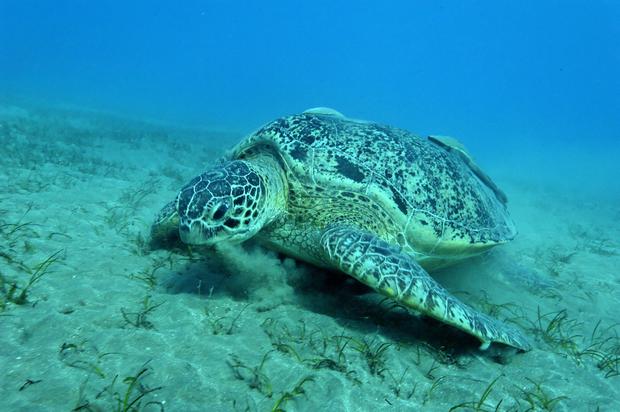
(231, 202)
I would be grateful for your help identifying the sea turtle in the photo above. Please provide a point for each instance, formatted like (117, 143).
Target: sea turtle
(373, 201)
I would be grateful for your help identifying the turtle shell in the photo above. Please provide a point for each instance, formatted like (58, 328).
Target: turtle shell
(419, 194)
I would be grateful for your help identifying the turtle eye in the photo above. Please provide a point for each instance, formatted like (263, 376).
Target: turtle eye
(220, 211)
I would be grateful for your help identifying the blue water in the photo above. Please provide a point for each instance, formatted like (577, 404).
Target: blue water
(483, 68)
(531, 87)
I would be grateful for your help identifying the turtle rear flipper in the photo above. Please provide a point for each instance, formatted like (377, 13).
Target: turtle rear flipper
(397, 275)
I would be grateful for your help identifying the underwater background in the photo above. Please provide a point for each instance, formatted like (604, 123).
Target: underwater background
(534, 77)
(108, 108)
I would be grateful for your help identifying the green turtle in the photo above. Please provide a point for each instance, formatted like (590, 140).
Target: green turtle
(373, 201)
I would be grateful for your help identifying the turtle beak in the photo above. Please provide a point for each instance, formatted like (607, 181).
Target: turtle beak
(194, 233)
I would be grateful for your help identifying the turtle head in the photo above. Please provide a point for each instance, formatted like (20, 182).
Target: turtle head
(224, 204)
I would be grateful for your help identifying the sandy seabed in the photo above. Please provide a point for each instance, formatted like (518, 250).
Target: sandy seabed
(94, 319)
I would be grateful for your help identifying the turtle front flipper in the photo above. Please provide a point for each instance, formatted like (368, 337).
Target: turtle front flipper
(165, 228)
(386, 269)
